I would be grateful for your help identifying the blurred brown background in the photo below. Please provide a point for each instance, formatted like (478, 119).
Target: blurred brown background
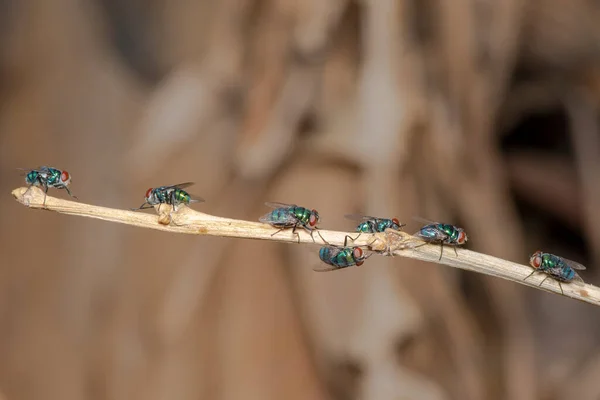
(476, 112)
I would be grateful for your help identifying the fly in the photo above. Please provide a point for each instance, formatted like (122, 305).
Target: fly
(285, 216)
(173, 195)
(47, 177)
(442, 234)
(370, 224)
(338, 257)
(561, 269)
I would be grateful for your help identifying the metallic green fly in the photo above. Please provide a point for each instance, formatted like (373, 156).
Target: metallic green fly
(370, 224)
(173, 195)
(560, 269)
(47, 177)
(285, 216)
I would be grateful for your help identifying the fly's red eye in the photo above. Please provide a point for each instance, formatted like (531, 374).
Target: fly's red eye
(65, 176)
(395, 221)
(536, 259)
(462, 237)
(312, 220)
(148, 192)
(358, 252)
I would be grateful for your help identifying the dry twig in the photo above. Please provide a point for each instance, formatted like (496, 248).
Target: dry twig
(188, 221)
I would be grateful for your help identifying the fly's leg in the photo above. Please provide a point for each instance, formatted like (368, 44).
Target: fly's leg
(441, 252)
(547, 276)
(323, 239)
(45, 194)
(351, 238)
(141, 207)
(173, 200)
(28, 189)
(455, 252)
(296, 233)
(534, 271)
(311, 231)
(561, 289)
(277, 231)
(69, 192)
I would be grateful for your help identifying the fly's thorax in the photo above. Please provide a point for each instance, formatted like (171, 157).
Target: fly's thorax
(344, 257)
(300, 213)
(53, 176)
(449, 230)
(550, 261)
(383, 224)
(155, 196)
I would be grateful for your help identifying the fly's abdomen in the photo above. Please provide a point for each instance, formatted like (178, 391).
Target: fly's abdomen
(567, 273)
(365, 227)
(325, 255)
(32, 177)
(429, 232)
(181, 196)
(280, 216)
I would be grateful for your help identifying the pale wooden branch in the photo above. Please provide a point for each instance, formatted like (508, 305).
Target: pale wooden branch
(186, 220)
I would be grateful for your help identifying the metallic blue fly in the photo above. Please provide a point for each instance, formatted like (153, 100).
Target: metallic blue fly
(442, 234)
(339, 257)
(47, 177)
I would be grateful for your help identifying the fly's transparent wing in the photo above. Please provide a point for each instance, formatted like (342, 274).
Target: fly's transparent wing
(274, 204)
(196, 199)
(326, 268)
(557, 273)
(323, 266)
(287, 220)
(577, 278)
(178, 186)
(573, 264)
(431, 233)
(424, 220)
(27, 170)
(358, 217)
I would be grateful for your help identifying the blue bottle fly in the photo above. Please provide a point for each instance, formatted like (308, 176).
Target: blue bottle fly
(285, 216)
(560, 269)
(173, 195)
(374, 224)
(442, 234)
(47, 177)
